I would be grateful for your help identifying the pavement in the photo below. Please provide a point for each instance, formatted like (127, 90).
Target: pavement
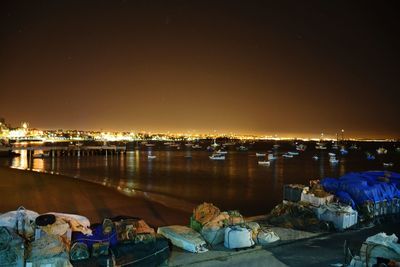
(297, 248)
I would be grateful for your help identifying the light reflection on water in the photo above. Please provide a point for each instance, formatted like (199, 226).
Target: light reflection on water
(236, 183)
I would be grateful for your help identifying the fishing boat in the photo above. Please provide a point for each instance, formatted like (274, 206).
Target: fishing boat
(264, 162)
(287, 155)
(260, 154)
(217, 157)
(293, 153)
(381, 151)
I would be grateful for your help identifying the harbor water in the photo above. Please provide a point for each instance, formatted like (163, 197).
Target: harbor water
(188, 177)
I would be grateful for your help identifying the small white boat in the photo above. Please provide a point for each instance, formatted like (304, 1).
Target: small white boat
(217, 157)
(353, 147)
(151, 156)
(264, 162)
(221, 152)
(301, 147)
(229, 144)
(315, 157)
(196, 146)
(150, 145)
(335, 146)
(276, 146)
(333, 160)
(293, 153)
(189, 145)
(320, 146)
(242, 148)
(271, 157)
(41, 155)
(287, 156)
(215, 144)
(332, 154)
(388, 164)
(260, 154)
(381, 151)
(343, 151)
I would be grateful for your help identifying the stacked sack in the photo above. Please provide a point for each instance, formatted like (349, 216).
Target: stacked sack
(229, 227)
(66, 240)
(123, 241)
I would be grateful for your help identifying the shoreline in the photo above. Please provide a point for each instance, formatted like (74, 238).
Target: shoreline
(42, 193)
(165, 200)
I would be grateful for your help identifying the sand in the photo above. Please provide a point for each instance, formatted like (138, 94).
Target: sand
(43, 193)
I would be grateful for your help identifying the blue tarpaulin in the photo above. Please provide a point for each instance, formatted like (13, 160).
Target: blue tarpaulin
(359, 187)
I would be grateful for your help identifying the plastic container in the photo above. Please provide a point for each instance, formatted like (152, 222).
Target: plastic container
(342, 218)
(316, 201)
(292, 192)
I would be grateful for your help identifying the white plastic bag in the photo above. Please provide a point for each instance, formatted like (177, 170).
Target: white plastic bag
(238, 237)
(264, 237)
(184, 237)
(20, 220)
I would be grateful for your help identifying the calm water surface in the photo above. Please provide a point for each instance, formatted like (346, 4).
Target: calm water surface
(236, 183)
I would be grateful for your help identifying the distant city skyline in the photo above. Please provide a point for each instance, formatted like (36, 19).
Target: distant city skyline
(255, 67)
(341, 134)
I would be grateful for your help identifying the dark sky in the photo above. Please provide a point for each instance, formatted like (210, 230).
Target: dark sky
(269, 67)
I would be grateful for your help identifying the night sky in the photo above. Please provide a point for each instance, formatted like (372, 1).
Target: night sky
(264, 67)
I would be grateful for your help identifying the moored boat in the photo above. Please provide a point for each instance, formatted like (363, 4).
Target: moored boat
(221, 152)
(217, 157)
(343, 151)
(381, 151)
(301, 147)
(320, 146)
(388, 164)
(333, 160)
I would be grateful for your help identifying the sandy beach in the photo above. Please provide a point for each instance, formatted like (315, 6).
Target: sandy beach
(43, 193)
